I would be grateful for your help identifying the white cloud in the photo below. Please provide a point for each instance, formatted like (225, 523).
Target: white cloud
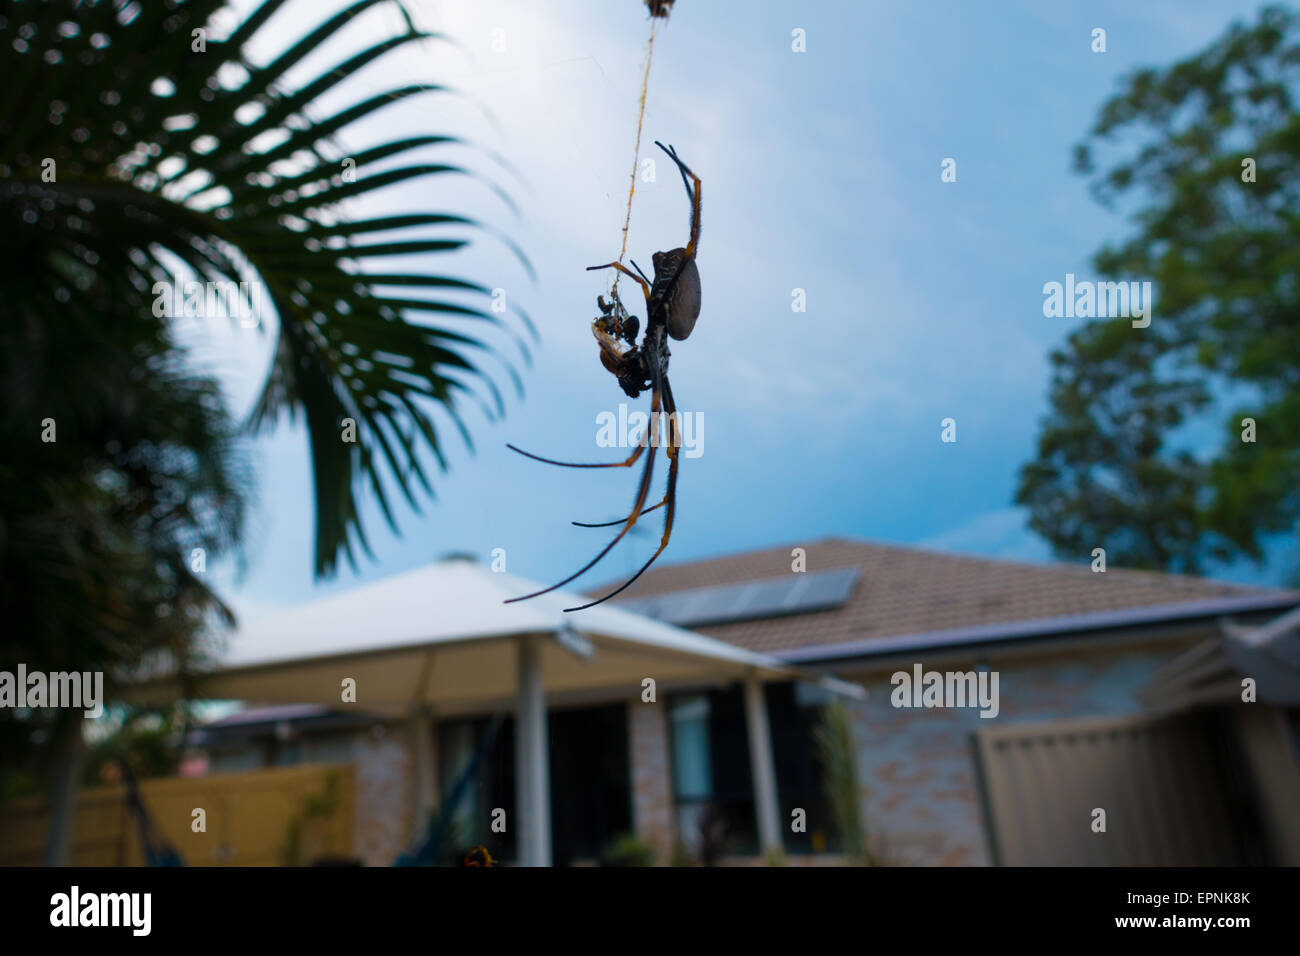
(995, 534)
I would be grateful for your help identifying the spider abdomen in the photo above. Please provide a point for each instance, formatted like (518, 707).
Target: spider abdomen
(683, 305)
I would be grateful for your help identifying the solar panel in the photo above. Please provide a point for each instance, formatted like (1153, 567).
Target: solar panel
(792, 594)
(830, 587)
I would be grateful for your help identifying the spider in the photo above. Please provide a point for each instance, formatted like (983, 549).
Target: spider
(672, 305)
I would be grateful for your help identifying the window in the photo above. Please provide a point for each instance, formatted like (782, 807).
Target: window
(591, 782)
(711, 770)
(709, 741)
(591, 787)
(795, 713)
(688, 721)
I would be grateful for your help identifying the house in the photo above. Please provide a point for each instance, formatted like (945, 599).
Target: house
(1013, 714)
(1085, 720)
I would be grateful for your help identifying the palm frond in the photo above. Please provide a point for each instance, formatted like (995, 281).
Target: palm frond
(124, 148)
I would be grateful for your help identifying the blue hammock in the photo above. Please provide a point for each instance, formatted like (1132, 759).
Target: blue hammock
(427, 850)
(157, 851)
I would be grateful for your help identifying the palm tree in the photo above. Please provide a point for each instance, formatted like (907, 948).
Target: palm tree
(138, 140)
(134, 135)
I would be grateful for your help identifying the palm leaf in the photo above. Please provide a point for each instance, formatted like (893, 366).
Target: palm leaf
(165, 154)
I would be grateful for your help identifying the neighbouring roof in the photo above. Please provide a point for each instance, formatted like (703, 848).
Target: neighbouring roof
(1211, 672)
(939, 598)
(261, 715)
(252, 722)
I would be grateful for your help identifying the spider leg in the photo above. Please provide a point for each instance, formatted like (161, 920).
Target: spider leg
(645, 286)
(642, 493)
(674, 436)
(694, 195)
(681, 167)
(627, 463)
(610, 524)
(674, 444)
(638, 269)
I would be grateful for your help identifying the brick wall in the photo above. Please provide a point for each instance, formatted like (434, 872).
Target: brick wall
(384, 776)
(922, 799)
(652, 795)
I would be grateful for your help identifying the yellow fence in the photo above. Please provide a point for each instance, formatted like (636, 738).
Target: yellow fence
(274, 817)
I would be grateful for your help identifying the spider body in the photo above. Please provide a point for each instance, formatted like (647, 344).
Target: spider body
(672, 308)
(676, 291)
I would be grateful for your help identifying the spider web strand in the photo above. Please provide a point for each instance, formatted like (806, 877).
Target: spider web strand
(636, 151)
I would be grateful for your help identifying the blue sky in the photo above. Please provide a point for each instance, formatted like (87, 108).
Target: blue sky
(821, 171)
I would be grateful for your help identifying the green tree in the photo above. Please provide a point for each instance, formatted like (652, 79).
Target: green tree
(1143, 451)
(143, 140)
(139, 135)
(115, 492)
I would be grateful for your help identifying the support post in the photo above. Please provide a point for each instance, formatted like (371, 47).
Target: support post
(763, 767)
(424, 773)
(532, 759)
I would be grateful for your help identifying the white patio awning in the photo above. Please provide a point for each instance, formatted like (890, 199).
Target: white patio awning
(441, 635)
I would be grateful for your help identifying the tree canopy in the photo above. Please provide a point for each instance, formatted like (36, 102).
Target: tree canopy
(1179, 443)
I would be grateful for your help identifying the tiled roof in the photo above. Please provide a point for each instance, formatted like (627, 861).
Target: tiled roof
(904, 591)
